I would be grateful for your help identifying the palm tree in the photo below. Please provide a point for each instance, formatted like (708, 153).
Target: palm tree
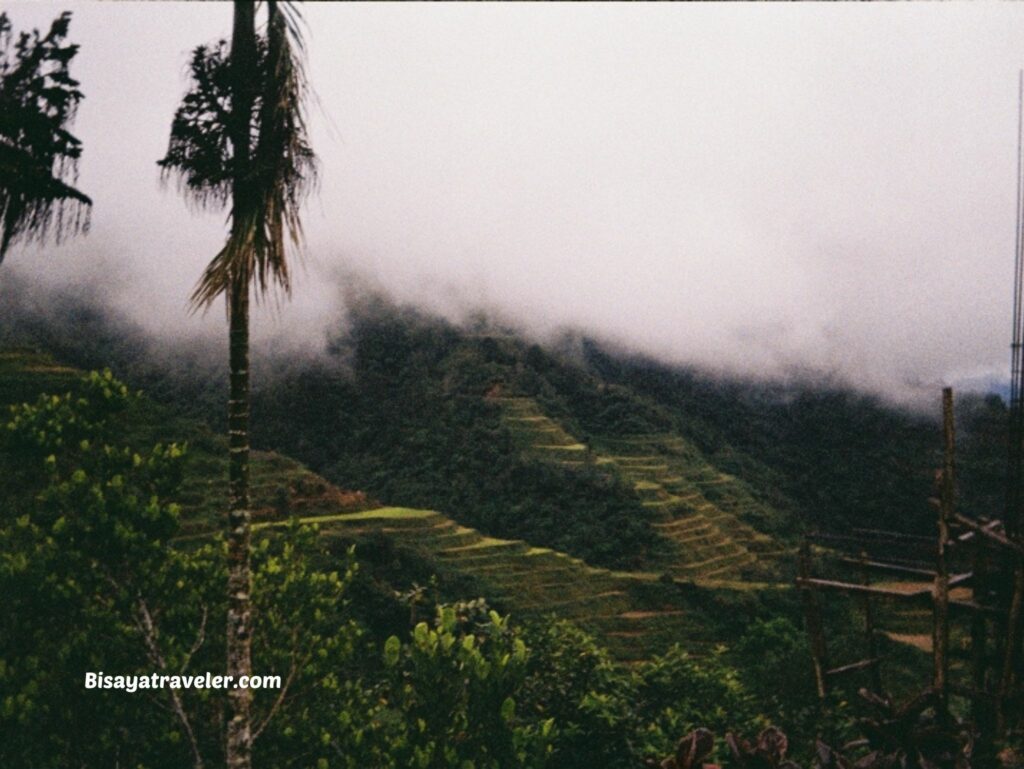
(240, 137)
(38, 155)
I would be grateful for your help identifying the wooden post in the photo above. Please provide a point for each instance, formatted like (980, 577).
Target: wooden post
(869, 626)
(1013, 630)
(981, 710)
(940, 626)
(812, 619)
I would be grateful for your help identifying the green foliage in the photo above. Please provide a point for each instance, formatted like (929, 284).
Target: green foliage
(303, 633)
(454, 685)
(93, 582)
(591, 700)
(57, 422)
(83, 559)
(774, 657)
(679, 692)
(611, 716)
(410, 428)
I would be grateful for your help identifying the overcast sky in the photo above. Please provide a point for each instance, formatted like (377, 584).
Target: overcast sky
(749, 187)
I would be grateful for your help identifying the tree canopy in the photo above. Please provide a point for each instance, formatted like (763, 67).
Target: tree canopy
(38, 153)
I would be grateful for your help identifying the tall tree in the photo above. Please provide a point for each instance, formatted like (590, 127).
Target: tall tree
(240, 137)
(38, 154)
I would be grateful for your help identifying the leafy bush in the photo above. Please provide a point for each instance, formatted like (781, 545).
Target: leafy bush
(451, 697)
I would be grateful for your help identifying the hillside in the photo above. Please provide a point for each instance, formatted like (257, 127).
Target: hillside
(713, 589)
(633, 614)
(615, 459)
(281, 486)
(693, 505)
(730, 573)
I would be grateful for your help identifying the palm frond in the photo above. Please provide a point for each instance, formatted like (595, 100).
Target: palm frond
(280, 170)
(294, 23)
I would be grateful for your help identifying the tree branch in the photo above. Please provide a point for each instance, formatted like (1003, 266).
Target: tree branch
(145, 624)
(281, 694)
(200, 639)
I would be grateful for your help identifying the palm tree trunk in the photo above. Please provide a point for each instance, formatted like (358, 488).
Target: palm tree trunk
(239, 619)
(239, 635)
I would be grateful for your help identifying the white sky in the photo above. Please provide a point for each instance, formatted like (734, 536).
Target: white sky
(750, 187)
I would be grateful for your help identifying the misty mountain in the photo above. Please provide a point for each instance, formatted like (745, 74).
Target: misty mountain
(410, 408)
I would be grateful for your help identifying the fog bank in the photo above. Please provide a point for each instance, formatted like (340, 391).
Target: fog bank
(759, 190)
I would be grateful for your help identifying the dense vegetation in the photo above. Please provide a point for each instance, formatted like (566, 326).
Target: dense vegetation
(98, 580)
(395, 407)
(836, 457)
(406, 421)
(545, 693)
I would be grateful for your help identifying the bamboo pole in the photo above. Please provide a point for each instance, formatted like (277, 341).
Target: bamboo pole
(812, 619)
(1013, 629)
(923, 594)
(940, 624)
(869, 626)
(980, 709)
(894, 535)
(853, 667)
(1014, 502)
(897, 568)
(987, 531)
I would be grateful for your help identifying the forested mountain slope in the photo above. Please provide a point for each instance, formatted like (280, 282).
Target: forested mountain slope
(643, 466)
(574, 485)
(635, 615)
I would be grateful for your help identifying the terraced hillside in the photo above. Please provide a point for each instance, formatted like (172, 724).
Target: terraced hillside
(632, 614)
(635, 615)
(25, 373)
(696, 507)
(280, 485)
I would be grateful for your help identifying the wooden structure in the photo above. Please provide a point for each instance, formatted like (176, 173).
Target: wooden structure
(986, 555)
(980, 554)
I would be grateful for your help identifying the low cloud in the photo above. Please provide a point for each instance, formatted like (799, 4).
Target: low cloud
(761, 191)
